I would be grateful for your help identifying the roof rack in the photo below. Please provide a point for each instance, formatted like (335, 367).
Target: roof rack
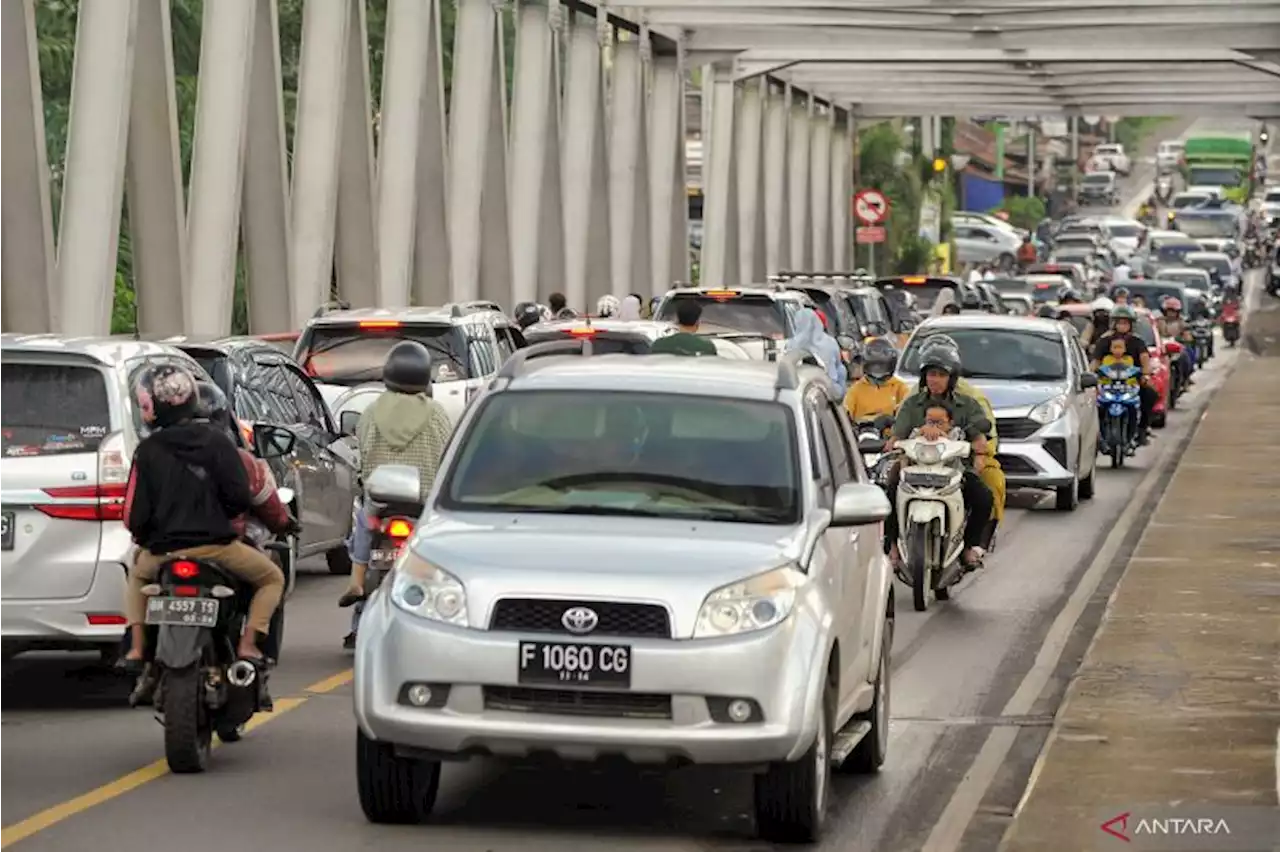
(335, 305)
(788, 368)
(461, 309)
(515, 365)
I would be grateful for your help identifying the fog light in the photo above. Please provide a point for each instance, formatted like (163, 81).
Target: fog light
(419, 695)
(739, 710)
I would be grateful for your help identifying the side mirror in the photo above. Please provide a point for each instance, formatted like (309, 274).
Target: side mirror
(859, 503)
(394, 483)
(348, 421)
(1088, 380)
(272, 442)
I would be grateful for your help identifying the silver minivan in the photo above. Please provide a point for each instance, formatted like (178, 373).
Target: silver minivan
(70, 429)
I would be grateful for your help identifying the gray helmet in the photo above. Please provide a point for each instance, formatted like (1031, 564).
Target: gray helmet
(946, 358)
(938, 340)
(408, 368)
(879, 358)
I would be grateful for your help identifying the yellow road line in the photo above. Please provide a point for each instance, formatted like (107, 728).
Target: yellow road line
(52, 816)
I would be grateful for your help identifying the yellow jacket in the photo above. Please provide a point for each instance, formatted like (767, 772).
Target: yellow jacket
(866, 401)
(963, 386)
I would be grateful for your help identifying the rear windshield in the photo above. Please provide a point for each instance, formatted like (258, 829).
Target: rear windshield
(1208, 226)
(925, 290)
(352, 354)
(1214, 176)
(1097, 179)
(1174, 252)
(1208, 264)
(1067, 272)
(1124, 231)
(1154, 293)
(602, 343)
(752, 313)
(1191, 200)
(49, 409)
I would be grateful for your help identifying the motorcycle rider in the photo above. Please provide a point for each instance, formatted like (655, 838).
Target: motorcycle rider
(878, 392)
(1068, 296)
(186, 484)
(1100, 322)
(1028, 254)
(560, 307)
(527, 314)
(402, 426)
(608, 306)
(1172, 326)
(939, 374)
(1122, 320)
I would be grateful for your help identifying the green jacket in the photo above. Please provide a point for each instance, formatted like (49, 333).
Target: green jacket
(963, 387)
(683, 343)
(410, 429)
(969, 418)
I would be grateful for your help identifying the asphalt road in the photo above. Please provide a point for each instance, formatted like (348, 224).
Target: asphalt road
(71, 745)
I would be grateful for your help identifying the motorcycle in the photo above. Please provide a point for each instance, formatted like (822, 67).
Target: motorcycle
(931, 516)
(1118, 404)
(1202, 334)
(392, 495)
(1177, 379)
(871, 437)
(1164, 189)
(1252, 254)
(197, 611)
(1230, 323)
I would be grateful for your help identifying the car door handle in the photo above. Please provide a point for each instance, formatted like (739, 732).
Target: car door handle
(853, 537)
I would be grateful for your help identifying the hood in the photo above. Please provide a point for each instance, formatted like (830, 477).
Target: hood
(1011, 394)
(400, 417)
(189, 442)
(599, 557)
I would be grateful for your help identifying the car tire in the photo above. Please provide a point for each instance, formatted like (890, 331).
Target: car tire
(791, 798)
(1087, 484)
(338, 560)
(394, 790)
(870, 753)
(1067, 497)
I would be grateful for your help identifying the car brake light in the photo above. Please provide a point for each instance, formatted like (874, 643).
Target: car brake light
(379, 323)
(398, 528)
(86, 503)
(721, 295)
(582, 332)
(106, 620)
(914, 279)
(184, 568)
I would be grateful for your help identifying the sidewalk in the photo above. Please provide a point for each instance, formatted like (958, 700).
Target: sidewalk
(1178, 699)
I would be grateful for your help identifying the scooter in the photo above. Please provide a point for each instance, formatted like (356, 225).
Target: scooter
(1118, 404)
(394, 500)
(1230, 323)
(931, 516)
(1202, 333)
(871, 438)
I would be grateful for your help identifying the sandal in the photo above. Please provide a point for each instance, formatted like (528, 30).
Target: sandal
(351, 598)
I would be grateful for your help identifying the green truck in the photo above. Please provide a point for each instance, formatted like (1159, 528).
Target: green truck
(1225, 161)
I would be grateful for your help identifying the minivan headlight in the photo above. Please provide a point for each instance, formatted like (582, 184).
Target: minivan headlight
(428, 591)
(755, 603)
(1049, 410)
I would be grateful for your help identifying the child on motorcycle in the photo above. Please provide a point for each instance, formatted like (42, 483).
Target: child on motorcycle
(878, 392)
(1118, 367)
(939, 422)
(1172, 327)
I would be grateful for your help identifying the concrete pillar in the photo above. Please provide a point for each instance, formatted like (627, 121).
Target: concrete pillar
(264, 208)
(599, 227)
(666, 182)
(625, 121)
(356, 252)
(27, 255)
(719, 184)
(777, 242)
(530, 114)
(322, 79)
(841, 193)
(750, 170)
(581, 101)
(469, 122)
(153, 172)
(641, 231)
(495, 232)
(820, 190)
(798, 185)
(551, 210)
(431, 255)
(97, 137)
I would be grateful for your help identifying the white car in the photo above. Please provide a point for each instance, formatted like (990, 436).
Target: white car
(1169, 155)
(1123, 235)
(987, 220)
(1111, 156)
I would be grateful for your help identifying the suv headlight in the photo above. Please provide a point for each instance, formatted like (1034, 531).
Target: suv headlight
(1049, 410)
(428, 591)
(752, 604)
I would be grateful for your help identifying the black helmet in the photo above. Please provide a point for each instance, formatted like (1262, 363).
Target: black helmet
(879, 358)
(1046, 312)
(527, 314)
(408, 368)
(166, 395)
(943, 358)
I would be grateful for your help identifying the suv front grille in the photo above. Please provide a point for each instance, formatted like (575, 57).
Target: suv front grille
(1016, 428)
(1016, 465)
(567, 702)
(616, 619)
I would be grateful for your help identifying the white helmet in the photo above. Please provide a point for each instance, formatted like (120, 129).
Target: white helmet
(608, 306)
(1102, 305)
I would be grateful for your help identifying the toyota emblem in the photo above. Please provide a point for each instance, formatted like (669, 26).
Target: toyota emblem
(579, 620)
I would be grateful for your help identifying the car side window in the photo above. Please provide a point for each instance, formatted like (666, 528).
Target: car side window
(506, 346)
(837, 446)
(273, 381)
(481, 353)
(819, 458)
(309, 408)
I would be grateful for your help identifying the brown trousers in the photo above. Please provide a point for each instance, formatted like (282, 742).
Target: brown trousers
(252, 566)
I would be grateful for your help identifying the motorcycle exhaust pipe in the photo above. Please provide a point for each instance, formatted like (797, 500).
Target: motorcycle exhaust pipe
(242, 673)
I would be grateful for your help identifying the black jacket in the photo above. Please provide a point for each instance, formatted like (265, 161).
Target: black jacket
(186, 484)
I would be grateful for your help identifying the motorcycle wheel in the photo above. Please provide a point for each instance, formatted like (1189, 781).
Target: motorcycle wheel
(187, 736)
(918, 567)
(1118, 446)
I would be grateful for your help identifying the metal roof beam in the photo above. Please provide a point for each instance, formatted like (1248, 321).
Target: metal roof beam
(1015, 58)
(874, 77)
(1263, 110)
(932, 6)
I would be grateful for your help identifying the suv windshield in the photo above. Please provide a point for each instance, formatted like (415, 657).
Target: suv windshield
(1222, 225)
(755, 314)
(48, 409)
(635, 454)
(602, 342)
(1097, 179)
(354, 354)
(999, 353)
(1125, 231)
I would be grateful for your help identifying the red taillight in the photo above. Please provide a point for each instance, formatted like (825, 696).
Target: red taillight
(86, 502)
(187, 591)
(582, 332)
(398, 528)
(106, 620)
(379, 323)
(184, 568)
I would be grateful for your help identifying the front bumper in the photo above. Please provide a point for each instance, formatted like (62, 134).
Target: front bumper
(781, 669)
(1047, 458)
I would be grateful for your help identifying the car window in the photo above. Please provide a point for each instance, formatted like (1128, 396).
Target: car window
(837, 446)
(506, 346)
(353, 353)
(273, 382)
(990, 353)
(53, 409)
(730, 309)
(628, 453)
(482, 356)
(310, 409)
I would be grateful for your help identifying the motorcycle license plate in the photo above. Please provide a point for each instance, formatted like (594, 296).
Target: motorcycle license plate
(383, 555)
(555, 663)
(1116, 408)
(188, 612)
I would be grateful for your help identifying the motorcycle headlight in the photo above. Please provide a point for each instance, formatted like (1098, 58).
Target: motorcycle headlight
(428, 591)
(1049, 410)
(928, 454)
(755, 603)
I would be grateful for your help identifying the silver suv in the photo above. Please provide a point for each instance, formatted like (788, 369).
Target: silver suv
(672, 560)
(70, 429)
